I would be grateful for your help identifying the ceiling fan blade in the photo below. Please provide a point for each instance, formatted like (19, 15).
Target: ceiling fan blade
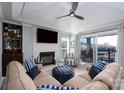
(63, 16)
(79, 17)
(74, 7)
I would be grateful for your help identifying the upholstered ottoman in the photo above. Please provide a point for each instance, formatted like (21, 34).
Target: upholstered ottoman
(62, 73)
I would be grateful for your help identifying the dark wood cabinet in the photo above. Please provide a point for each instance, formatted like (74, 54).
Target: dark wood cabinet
(12, 45)
(8, 57)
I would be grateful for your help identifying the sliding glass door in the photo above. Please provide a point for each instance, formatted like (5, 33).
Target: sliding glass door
(107, 48)
(95, 48)
(86, 49)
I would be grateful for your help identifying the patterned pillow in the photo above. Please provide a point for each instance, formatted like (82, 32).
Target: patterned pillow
(54, 87)
(33, 72)
(97, 68)
(29, 64)
(31, 67)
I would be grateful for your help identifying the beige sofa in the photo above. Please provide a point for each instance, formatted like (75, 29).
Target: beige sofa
(17, 79)
(109, 78)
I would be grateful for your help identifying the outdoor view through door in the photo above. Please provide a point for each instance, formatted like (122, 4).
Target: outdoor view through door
(107, 48)
(102, 48)
(86, 49)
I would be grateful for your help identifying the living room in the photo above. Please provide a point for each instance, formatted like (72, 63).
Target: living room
(71, 36)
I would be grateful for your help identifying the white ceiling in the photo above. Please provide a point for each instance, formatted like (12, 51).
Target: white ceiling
(45, 14)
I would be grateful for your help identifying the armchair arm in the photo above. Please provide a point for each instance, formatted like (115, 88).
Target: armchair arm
(40, 66)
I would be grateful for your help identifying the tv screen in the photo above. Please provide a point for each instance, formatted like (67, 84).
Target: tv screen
(46, 36)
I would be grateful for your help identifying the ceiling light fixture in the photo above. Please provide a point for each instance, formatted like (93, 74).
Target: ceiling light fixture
(72, 15)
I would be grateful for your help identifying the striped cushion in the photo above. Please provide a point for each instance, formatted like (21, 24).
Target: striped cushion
(54, 87)
(33, 72)
(97, 68)
(62, 73)
(29, 64)
(62, 69)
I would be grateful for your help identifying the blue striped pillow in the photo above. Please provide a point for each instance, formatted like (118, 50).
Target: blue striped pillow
(33, 72)
(97, 68)
(54, 87)
(29, 64)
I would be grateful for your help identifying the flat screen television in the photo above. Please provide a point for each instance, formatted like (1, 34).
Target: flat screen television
(46, 36)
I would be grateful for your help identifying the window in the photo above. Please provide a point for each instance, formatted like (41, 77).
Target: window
(64, 46)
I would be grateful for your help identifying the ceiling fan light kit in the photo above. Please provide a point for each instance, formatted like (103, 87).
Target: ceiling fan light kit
(72, 15)
(72, 12)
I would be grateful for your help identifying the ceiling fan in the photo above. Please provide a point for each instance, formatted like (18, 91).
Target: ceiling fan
(72, 12)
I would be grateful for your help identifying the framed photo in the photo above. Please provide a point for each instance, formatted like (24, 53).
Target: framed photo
(64, 44)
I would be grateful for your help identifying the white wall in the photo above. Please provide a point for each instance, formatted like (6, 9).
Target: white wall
(121, 48)
(27, 41)
(45, 47)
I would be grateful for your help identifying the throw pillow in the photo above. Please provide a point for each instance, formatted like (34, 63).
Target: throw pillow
(29, 64)
(97, 68)
(54, 87)
(33, 72)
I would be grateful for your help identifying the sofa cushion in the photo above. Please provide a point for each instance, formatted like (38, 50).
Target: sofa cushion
(18, 79)
(85, 75)
(42, 74)
(12, 72)
(27, 82)
(12, 67)
(45, 80)
(54, 87)
(77, 81)
(95, 86)
(109, 74)
(97, 68)
(15, 85)
(20, 66)
(33, 72)
(40, 66)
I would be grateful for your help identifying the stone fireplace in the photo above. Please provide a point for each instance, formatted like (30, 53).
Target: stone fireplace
(47, 57)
